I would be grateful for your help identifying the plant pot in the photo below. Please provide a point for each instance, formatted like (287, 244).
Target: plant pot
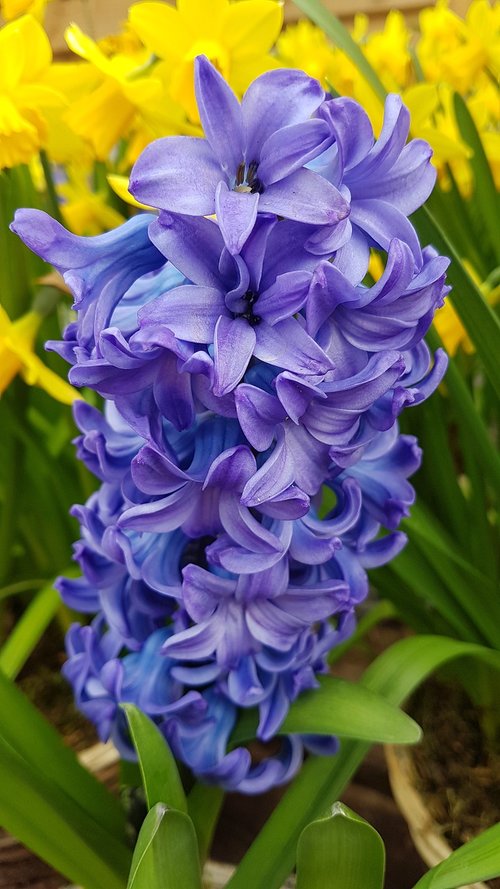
(426, 834)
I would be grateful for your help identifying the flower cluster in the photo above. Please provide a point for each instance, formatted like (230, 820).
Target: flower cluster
(251, 463)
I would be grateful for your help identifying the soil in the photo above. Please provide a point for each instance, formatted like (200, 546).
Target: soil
(457, 771)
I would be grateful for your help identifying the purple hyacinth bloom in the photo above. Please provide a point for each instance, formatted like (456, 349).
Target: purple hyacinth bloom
(384, 180)
(252, 159)
(240, 306)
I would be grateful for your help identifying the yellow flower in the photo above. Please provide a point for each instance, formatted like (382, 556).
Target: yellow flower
(387, 51)
(457, 51)
(86, 212)
(13, 9)
(236, 37)
(25, 57)
(17, 356)
(127, 100)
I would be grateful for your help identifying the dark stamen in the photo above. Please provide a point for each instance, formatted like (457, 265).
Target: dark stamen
(240, 174)
(257, 186)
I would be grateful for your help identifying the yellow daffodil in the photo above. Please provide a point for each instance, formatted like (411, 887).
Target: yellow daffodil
(13, 9)
(235, 36)
(25, 57)
(126, 101)
(17, 355)
(456, 51)
(388, 52)
(86, 212)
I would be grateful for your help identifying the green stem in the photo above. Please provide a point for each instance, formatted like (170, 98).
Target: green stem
(51, 189)
(12, 479)
(204, 806)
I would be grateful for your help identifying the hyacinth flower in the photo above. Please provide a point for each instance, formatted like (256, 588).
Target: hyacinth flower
(247, 368)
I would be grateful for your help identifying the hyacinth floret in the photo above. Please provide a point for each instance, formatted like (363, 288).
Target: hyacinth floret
(249, 454)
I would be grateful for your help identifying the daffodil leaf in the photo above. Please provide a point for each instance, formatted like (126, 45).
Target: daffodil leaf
(158, 768)
(339, 35)
(484, 184)
(166, 853)
(340, 851)
(481, 322)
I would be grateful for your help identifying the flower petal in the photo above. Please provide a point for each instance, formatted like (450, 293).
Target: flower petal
(234, 342)
(220, 115)
(189, 311)
(177, 173)
(193, 245)
(236, 215)
(305, 197)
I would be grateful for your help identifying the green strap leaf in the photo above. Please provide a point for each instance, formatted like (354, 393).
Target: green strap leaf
(340, 851)
(204, 806)
(339, 35)
(483, 326)
(484, 184)
(479, 859)
(38, 812)
(339, 708)
(37, 742)
(395, 674)
(349, 710)
(28, 630)
(159, 772)
(166, 854)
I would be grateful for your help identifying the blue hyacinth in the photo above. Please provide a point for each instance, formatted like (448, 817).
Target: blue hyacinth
(249, 365)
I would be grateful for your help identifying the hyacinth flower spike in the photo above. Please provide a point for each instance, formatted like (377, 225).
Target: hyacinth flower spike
(252, 159)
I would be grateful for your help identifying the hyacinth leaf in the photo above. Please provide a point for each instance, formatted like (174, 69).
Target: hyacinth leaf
(350, 711)
(54, 760)
(166, 853)
(479, 859)
(395, 674)
(159, 772)
(476, 315)
(28, 630)
(37, 811)
(340, 708)
(484, 184)
(204, 805)
(340, 851)
(339, 35)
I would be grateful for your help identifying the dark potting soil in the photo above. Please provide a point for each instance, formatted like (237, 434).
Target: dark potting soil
(457, 771)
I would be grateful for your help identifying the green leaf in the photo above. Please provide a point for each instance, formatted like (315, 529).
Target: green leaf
(349, 710)
(166, 854)
(28, 630)
(395, 674)
(340, 851)
(476, 314)
(484, 184)
(479, 859)
(339, 35)
(37, 811)
(37, 742)
(339, 708)
(468, 416)
(158, 768)
(204, 805)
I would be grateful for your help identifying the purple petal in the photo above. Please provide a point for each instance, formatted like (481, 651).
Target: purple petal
(236, 215)
(193, 246)
(287, 345)
(285, 297)
(383, 222)
(195, 643)
(272, 479)
(277, 99)
(352, 129)
(189, 311)
(220, 115)
(234, 342)
(305, 197)
(290, 148)
(177, 173)
(258, 414)
(202, 591)
(231, 469)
